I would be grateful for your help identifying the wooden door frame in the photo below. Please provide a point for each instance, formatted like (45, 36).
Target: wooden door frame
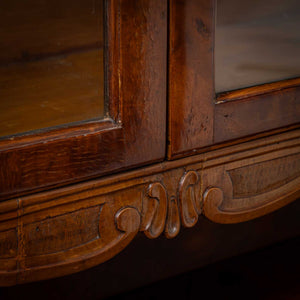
(198, 118)
(131, 135)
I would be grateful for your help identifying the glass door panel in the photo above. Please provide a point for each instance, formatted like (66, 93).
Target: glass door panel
(256, 42)
(51, 63)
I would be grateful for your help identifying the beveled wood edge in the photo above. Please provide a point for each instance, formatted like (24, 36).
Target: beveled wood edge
(112, 65)
(225, 144)
(257, 90)
(61, 132)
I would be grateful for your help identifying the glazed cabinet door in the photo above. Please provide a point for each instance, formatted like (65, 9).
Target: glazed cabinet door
(82, 90)
(234, 72)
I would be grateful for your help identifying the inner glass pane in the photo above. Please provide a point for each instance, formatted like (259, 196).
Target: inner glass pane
(51, 63)
(257, 41)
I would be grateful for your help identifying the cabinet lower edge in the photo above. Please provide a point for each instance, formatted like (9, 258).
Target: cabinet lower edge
(70, 229)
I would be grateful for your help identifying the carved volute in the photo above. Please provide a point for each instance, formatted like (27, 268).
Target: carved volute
(70, 229)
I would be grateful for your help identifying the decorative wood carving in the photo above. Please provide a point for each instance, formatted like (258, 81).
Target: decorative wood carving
(73, 228)
(154, 210)
(188, 200)
(252, 190)
(161, 211)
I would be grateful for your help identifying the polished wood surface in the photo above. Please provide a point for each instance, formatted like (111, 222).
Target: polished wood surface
(57, 217)
(198, 119)
(248, 116)
(191, 73)
(257, 90)
(256, 42)
(135, 132)
(51, 64)
(146, 260)
(70, 229)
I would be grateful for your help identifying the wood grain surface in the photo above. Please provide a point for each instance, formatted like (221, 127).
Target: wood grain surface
(146, 261)
(134, 132)
(198, 118)
(46, 233)
(191, 75)
(263, 112)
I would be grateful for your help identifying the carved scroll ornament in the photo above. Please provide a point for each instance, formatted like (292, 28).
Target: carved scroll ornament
(70, 229)
(163, 212)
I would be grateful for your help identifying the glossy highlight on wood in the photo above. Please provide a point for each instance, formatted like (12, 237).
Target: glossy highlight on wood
(68, 199)
(46, 233)
(191, 73)
(133, 135)
(200, 120)
(257, 90)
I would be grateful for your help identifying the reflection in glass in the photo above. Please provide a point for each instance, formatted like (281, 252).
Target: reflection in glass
(256, 42)
(51, 63)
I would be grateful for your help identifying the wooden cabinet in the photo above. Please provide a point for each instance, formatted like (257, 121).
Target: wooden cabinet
(131, 133)
(165, 151)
